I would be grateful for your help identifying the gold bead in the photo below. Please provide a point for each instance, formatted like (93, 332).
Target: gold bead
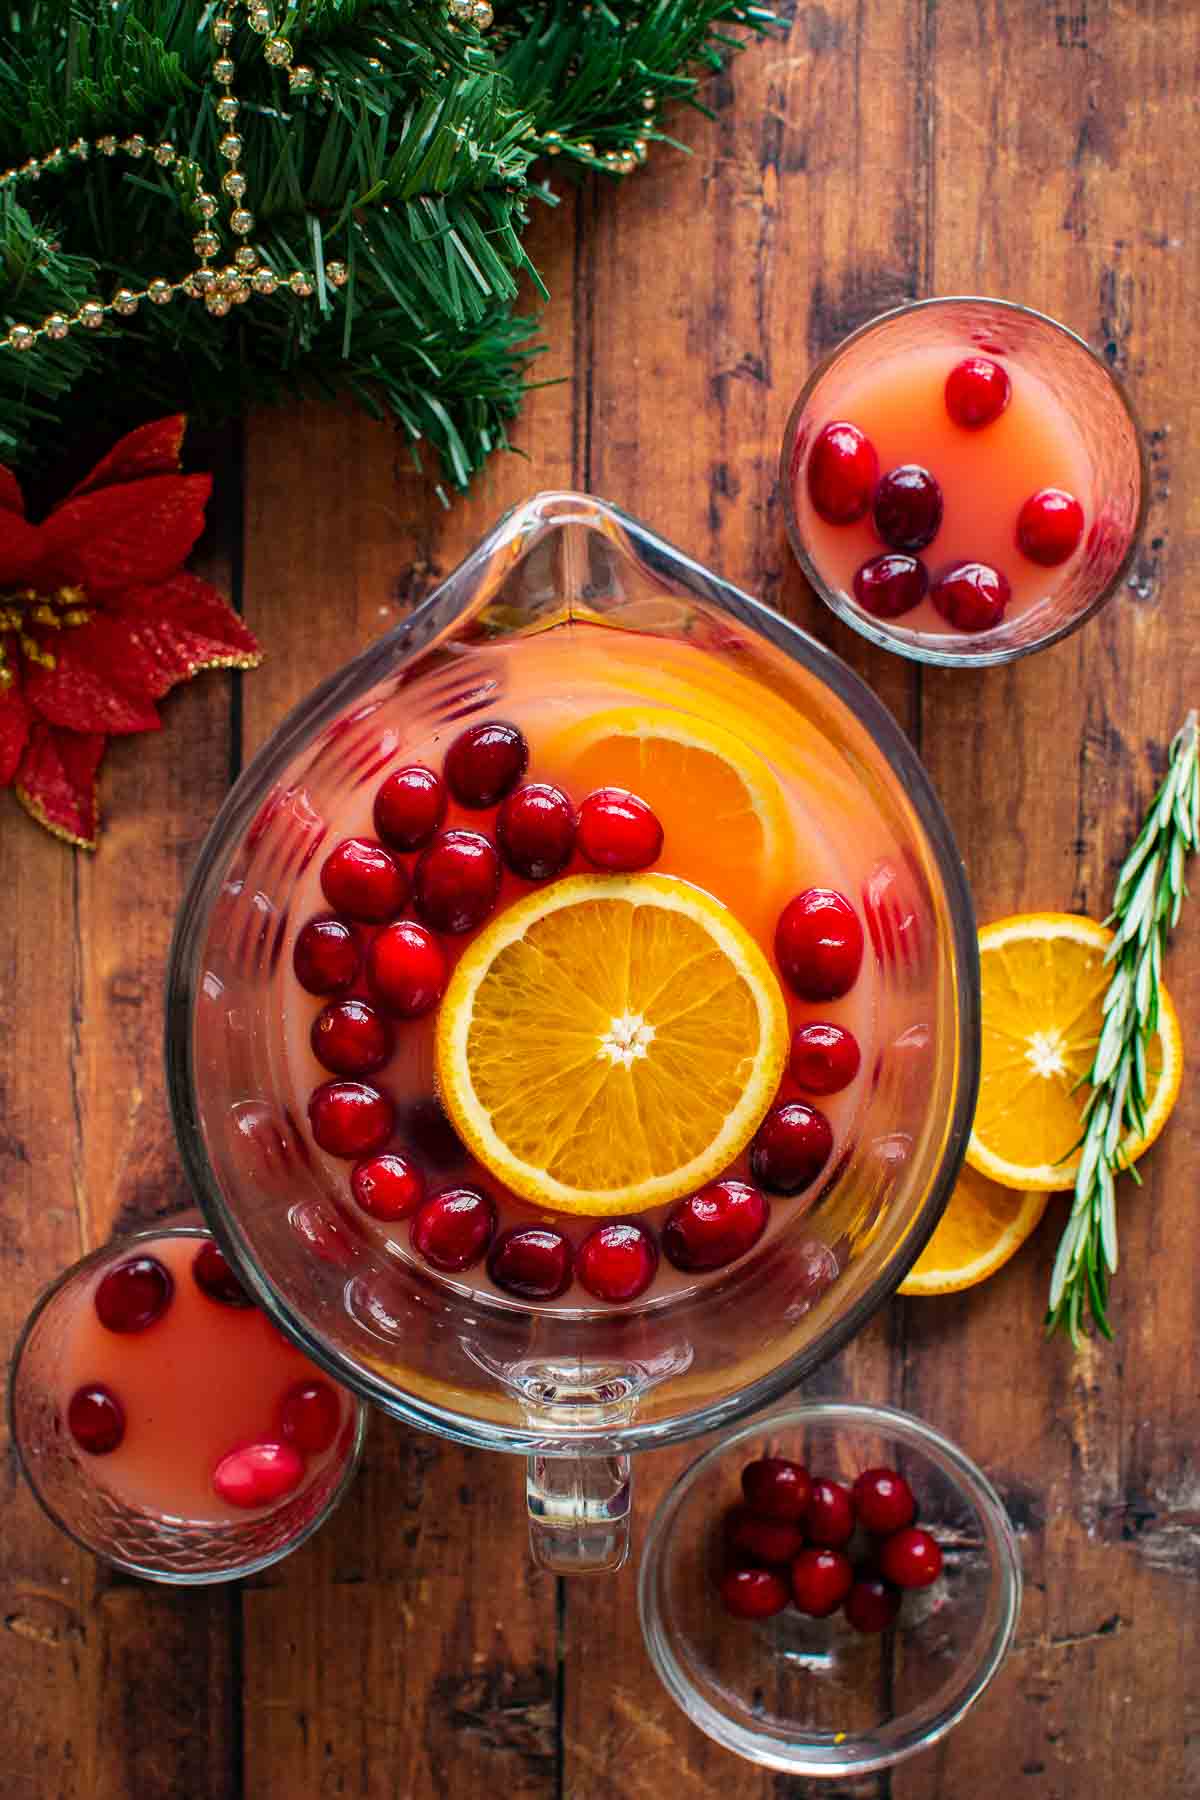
(21, 337)
(229, 279)
(222, 30)
(125, 302)
(206, 243)
(223, 70)
(460, 10)
(246, 256)
(300, 283)
(241, 222)
(56, 325)
(91, 314)
(217, 303)
(135, 146)
(80, 149)
(227, 108)
(234, 184)
(337, 274)
(161, 292)
(583, 148)
(205, 205)
(481, 15)
(203, 280)
(264, 281)
(32, 169)
(188, 286)
(301, 79)
(240, 294)
(278, 52)
(641, 149)
(258, 19)
(107, 146)
(230, 146)
(164, 154)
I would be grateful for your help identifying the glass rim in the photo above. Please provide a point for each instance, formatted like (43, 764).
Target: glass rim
(169, 1578)
(544, 512)
(929, 1723)
(876, 632)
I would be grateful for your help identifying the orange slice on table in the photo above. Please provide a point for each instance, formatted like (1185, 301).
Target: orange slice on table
(610, 1042)
(982, 1227)
(1043, 981)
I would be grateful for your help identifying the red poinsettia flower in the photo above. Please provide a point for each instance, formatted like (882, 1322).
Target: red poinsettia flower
(98, 619)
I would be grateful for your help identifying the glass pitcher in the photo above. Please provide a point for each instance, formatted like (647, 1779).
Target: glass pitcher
(574, 1388)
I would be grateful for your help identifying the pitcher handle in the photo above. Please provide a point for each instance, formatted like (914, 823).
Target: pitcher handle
(578, 1512)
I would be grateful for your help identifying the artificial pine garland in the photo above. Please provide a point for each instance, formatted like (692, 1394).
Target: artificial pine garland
(361, 172)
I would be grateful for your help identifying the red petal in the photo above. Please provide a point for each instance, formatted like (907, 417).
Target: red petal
(119, 537)
(11, 497)
(57, 782)
(186, 625)
(20, 549)
(150, 450)
(103, 680)
(15, 720)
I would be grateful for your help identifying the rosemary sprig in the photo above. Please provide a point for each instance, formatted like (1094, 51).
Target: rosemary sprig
(1146, 904)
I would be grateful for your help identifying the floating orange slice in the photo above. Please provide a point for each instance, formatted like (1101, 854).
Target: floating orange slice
(983, 1225)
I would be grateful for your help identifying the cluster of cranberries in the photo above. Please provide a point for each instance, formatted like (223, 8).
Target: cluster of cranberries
(135, 1295)
(906, 508)
(790, 1542)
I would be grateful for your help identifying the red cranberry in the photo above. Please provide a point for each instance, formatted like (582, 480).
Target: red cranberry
(617, 1261)
(485, 761)
(135, 1294)
(214, 1277)
(457, 880)
(890, 585)
(829, 1515)
(753, 1593)
(842, 471)
(531, 1261)
(350, 1038)
(711, 1228)
(1049, 527)
(819, 944)
(776, 1488)
(406, 968)
(96, 1419)
(910, 1558)
(883, 1501)
(363, 880)
(977, 392)
(409, 807)
(258, 1474)
(751, 1539)
(453, 1230)
(908, 508)
(618, 831)
(388, 1186)
(349, 1118)
(310, 1416)
(535, 829)
(825, 1057)
(790, 1147)
(821, 1579)
(971, 596)
(871, 1605)
(325, 957)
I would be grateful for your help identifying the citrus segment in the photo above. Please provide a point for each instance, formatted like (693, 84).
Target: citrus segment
(610, 1043)
(983, 1225)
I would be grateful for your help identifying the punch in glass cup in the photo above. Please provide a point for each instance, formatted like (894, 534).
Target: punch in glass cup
(963, 481)
(165, 1424)
(810, 1696)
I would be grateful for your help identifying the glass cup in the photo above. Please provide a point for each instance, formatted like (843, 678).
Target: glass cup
(1080, 383)
(575, 1388)
(812, 1697)
(69, 1484)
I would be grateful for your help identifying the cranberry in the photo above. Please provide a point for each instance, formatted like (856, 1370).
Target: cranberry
(908, 507)
(821, 1579)
(535, 829)
(457, 880)
(258, 1474)
(406, 968)
(485, 761)
(214, 1277)
(617, 1261)
(618, 831)
(531, 1261)
(452, 1230)
(751, 1539)
(349, 1118)
(135, 1294)
(842, 471)
(871, 1605)
(409, 807)
(388, 1186)
(310, 1416)
(776, 1488)
(819, 944)
(910, 1558)
(711, 1228)
(325, 957)
(891, 584)
(825, 1057)
(971, 596)
(350, 1037)
(96, 1419)
(1049, 527)
(753, 1593)
(790, 1147)
(977, 392)
(883, 1501)
(363, 880)
(829, 1515)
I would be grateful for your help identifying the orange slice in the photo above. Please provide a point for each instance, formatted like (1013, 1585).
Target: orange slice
(983, 1225)
(610, 1042)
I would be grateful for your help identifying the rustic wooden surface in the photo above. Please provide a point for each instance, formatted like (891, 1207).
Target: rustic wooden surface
(872, 154)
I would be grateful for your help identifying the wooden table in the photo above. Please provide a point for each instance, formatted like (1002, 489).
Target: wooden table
(411, 1650)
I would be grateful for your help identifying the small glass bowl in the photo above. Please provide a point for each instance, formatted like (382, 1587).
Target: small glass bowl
(811, 1697)
(69, 1485)
(1088, 393)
